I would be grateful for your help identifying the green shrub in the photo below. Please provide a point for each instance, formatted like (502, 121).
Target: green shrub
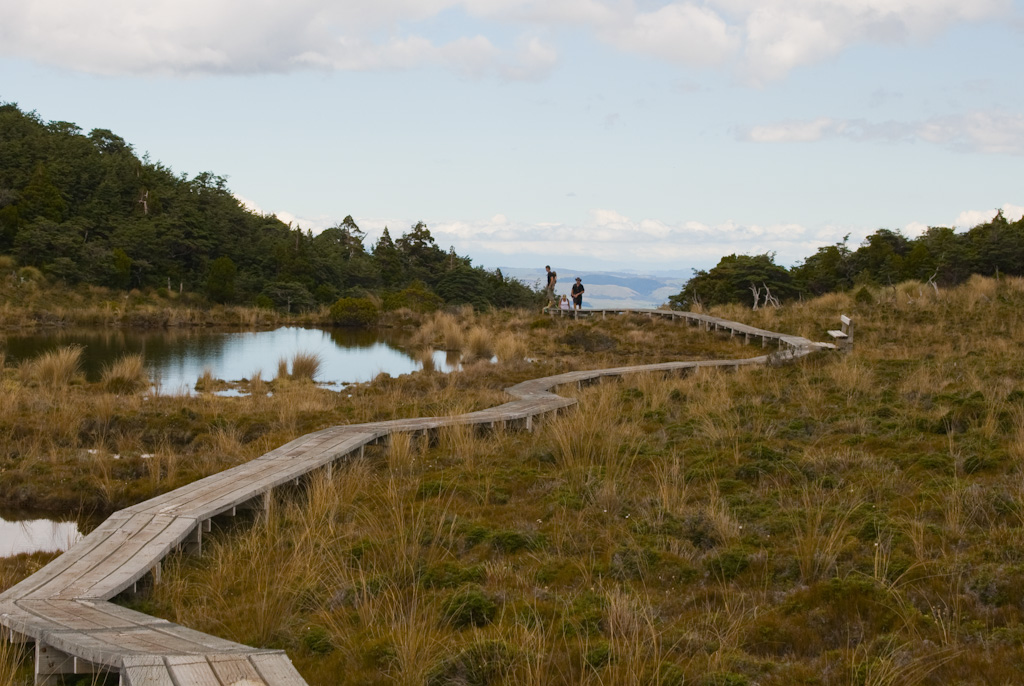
(480, 664)
(354, 312)
(451, 575)
(416, 296)
(508, 541)
(316, 640)
(729, 564)
(724, 679)
(591, 341)
(379, 653)
(31, 275)
(598, 654)
(469, 607)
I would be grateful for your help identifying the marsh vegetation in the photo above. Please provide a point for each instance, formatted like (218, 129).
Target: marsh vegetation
(849, 519)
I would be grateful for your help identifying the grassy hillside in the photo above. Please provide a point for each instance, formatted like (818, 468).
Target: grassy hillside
(849, 519)
(846, 520)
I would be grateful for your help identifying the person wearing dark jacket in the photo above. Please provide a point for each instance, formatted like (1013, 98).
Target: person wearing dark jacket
(577, 294)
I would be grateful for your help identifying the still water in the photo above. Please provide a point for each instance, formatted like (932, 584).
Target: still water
(176, 359)
(30, 535)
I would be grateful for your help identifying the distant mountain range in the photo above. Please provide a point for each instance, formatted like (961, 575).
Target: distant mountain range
(607, 289)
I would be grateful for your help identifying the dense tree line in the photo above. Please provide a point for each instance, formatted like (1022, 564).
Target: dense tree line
(83, 208)
(940, 256)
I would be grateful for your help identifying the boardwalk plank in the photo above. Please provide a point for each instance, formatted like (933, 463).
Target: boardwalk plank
(236, 670)
(145, 671)
(192, 670)
(94, 555)
(103, 560)
(277, 669)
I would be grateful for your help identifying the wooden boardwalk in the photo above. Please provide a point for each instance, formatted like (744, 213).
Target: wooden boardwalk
(64, 608)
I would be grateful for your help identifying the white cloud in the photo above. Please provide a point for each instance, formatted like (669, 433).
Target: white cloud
(780, 35)
(187, 37)
(792, 131)
(314, 224)
(992, 132)
(677, 32)
(995, 132)
(765, 39)
(611, 238)
(914, 229)
(971, 218)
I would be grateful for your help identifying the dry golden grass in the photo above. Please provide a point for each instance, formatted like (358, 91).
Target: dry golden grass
(479, 343)
(305, 366)
(126, 375)
(846, 519)
(510, 347)
(451, 332)
(12, 657)
(55, 369)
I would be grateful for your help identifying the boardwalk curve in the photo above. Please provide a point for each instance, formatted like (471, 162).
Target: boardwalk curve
(65, 608)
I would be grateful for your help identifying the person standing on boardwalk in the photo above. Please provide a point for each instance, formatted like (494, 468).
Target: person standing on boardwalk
(577, 294)
(550, 288)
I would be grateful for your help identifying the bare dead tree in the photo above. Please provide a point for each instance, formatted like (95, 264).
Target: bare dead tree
(757, 294)
(931, 281)
(770, 299)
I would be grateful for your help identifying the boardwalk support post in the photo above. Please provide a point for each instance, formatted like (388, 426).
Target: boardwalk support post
(193, 545)
(51, 664)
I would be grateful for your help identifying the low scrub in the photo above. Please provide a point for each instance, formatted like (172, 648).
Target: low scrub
(355, 312)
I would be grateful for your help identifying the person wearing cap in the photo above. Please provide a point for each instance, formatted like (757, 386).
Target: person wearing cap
(577, 294)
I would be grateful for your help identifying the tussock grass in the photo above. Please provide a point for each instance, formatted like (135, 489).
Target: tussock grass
(479, 343)
(54, 369)
(452, 335)
(847, 519)
(510, 347)
(12, 658)
(126, 375)
(257, 386)
(305, 366)
(426, 360)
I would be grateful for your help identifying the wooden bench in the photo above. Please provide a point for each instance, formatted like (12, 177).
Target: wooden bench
(843, 335)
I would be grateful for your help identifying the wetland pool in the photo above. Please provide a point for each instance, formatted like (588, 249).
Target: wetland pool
(24, 533)
(176, 359)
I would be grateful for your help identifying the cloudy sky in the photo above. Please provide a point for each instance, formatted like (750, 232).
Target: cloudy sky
(649, 135)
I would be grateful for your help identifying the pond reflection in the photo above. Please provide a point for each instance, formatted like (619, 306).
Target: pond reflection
(35, 535)
(176, 359)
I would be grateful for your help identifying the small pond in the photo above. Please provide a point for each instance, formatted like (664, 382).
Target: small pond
(23, 533)
(176, 359)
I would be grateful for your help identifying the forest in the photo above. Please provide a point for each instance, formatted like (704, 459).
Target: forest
(83, 208)
(938, 257)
